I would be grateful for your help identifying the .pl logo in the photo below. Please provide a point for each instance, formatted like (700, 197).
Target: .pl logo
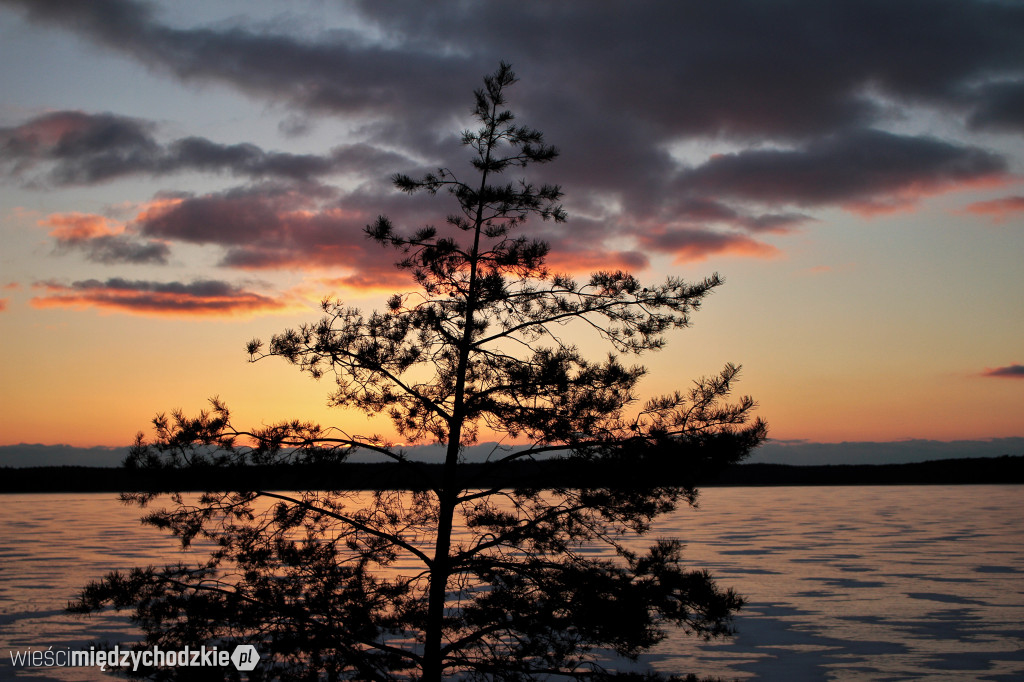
(245, 657)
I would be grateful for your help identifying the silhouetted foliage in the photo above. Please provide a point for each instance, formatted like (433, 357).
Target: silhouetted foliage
(461, 577)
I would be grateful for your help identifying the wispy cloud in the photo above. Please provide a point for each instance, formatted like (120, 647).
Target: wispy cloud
(1000, 106)
(1013, 371)
(998, 210)
(861, 170)
(5, 301)
(103, 240)
(80, 148)
(687, 244)
(202, 297)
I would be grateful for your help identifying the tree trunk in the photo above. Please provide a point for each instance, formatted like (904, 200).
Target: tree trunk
(439, 573)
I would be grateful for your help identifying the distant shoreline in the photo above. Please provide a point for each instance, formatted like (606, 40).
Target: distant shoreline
(543, 474)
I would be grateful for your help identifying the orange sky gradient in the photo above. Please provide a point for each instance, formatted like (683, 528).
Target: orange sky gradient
(163, 201)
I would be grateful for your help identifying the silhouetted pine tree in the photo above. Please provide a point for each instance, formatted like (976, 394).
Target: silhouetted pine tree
(454, 580)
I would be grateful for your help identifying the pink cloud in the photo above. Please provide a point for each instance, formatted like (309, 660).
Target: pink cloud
(80, 226)
(580, 261)
(694, 244)
(907, 199)
(103, 240)
(199, 298)
(1013, 371)
(998, 210)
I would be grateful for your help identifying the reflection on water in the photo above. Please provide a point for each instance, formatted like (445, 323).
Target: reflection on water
(877, 582)
(888, 582)
(53, 545)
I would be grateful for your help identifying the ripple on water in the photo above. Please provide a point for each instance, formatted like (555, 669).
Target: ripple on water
(937, 593)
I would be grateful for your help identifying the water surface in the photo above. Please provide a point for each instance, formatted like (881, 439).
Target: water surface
(884, 582)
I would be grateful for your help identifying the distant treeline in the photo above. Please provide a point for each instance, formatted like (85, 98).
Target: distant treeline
(539, 474)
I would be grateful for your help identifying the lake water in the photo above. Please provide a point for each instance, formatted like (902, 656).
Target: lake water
(885, 582)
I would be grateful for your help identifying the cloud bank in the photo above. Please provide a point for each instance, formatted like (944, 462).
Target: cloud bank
(814, 105)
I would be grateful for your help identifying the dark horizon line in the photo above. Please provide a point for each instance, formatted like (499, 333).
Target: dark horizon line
(1005, 469)
(773, 451)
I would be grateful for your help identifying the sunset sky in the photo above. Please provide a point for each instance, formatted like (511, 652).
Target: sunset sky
(178, 177)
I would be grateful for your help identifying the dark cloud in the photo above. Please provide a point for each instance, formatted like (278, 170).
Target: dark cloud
(84, 149)
(238, 216)
(111, 249)
(775, 222)
(689, 244)
(742, 67)
(345, 74)
(863, 168)
(295, 125)
(102, 241)
(699, 210)
(202, 297)
(196, 153)
(280, 227)
(1000, 107)
(1014, 371)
